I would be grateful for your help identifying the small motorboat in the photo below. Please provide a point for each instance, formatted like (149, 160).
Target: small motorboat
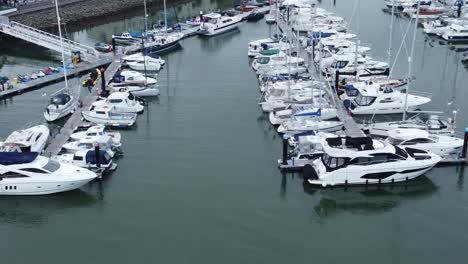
(97, 130)
(138, 57)
(270, 19)
(122, 102)
(110, 117)
(255, 16)
(144, 66)
(194, 21)
(139, 91)
(125, 78)
(125, 38)
(88, 159)
(88, 143)
(103, 47)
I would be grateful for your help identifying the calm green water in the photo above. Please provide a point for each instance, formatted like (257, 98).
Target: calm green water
(198, 182)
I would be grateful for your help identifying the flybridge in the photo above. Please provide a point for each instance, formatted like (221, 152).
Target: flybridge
(47, 40)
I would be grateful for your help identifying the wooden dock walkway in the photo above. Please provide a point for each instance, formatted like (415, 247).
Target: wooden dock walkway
(75, 119)
(79, 70)
(352, 129)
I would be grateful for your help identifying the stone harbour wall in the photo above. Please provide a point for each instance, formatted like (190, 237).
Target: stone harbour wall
(82, 11)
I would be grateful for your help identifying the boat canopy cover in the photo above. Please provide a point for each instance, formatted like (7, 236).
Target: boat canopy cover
(269, 52)
(316, 113)
(360, 143)
(103, 157)
(60, 99)
(12, 158)
(136, 34)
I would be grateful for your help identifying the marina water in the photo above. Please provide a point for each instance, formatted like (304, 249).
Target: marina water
(198, 182)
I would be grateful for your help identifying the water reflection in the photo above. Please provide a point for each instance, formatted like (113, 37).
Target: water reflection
(215, 43)
(368, 200)
(29, 211)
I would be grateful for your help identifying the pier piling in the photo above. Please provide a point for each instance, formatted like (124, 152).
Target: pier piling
(465, 146)
(285, 149)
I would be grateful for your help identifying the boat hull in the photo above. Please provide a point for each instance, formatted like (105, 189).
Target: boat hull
(40, 188)
(213, 32)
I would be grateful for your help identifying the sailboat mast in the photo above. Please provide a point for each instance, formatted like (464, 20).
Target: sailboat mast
(146, 18)
(390, 39)
(59, 22)
(165, 17)
(357, 43)
(410, 60)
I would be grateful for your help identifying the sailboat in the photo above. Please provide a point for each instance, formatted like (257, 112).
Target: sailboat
(158, 42)
(62, 102)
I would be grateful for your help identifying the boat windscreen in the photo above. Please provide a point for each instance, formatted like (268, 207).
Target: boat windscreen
(51, 166)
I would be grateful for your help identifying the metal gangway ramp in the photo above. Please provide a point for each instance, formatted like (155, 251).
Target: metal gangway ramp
(46, 39)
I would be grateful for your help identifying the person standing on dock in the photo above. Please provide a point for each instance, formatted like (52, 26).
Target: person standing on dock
(103, 83)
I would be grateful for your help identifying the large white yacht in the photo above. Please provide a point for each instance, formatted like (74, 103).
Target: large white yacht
(31, 174)
(433, 124)
(370, 98)
(33, 139)
(214, 24)
(351, 161)
(443, 146)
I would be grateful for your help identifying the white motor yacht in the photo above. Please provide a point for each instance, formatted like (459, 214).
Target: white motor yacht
(110, 117)
(33, 139)
(122, 102)
(443, 146)
(269, 59)
(31, 174)
(352, 161)
(373, 99)
(309, 148)
(349, 63)
(214, 24)
(433, 124)
(456, 33)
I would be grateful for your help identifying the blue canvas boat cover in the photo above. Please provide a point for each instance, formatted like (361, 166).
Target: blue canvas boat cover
(12, 158)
